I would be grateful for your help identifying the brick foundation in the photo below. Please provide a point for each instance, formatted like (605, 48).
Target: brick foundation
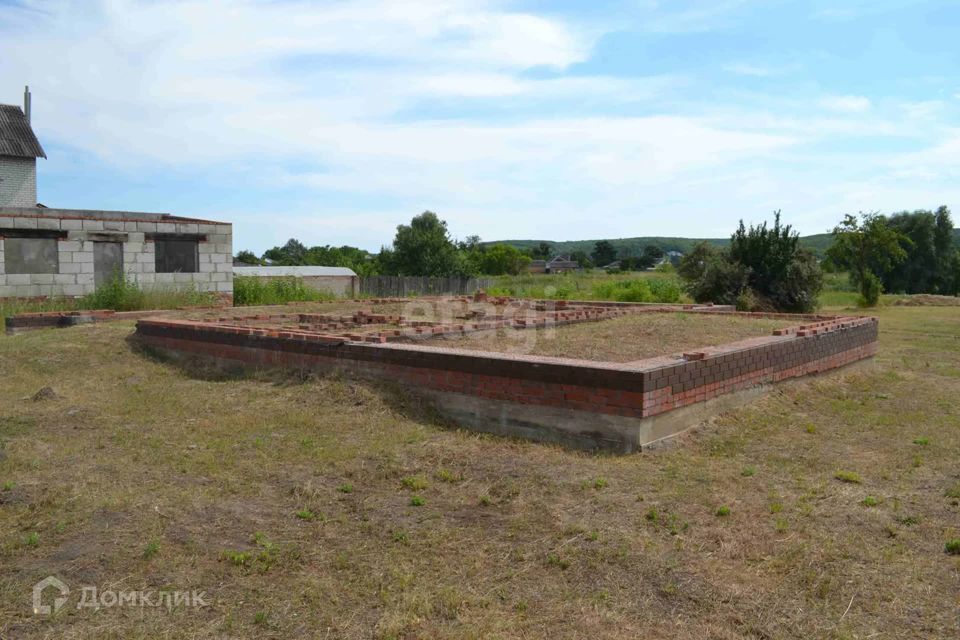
(578, 389)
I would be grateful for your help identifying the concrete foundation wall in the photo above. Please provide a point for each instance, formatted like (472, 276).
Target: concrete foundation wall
(616, 407)
(18, 182)
(78, 231)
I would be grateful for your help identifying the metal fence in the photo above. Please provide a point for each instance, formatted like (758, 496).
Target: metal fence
(401, 286)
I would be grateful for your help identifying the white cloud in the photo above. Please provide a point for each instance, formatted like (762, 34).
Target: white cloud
(846, 104)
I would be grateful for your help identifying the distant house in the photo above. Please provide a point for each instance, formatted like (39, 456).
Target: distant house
(19, 150)
(339, 281)
(562, 264)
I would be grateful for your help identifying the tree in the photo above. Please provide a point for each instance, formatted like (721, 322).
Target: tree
(290, 254)
(248, 257)
(946, 253)
(501, 259)
(582, 259)
(764, 267)
(865, 247)
(603, 253)
(779, 270)
(423, 248)
(543, 251)
(651, 255)
(917, 272)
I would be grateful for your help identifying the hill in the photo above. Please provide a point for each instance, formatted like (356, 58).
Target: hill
(817, 243)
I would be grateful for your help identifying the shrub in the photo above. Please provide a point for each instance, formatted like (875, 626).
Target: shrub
(870, 289)
(123, 294)
(952, 547)
(848, 476)
(254, 291)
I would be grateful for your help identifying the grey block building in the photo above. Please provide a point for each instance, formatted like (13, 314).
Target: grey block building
(69, 252)
(48, 252)
(19, 150)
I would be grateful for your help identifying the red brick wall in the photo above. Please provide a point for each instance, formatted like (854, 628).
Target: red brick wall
(634, 389)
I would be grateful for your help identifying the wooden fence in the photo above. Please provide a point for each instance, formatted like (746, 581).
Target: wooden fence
(402, 286)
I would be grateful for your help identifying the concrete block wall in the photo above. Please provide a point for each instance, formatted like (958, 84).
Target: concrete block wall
(18, 182)
(75, 276)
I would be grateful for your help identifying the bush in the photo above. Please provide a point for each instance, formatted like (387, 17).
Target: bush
(253, 291)
(122, 294)
(653, 290)
(763, 267)
(870, 289)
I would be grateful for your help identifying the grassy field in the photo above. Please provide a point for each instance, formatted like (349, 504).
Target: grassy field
(322, 507)
(618, 340)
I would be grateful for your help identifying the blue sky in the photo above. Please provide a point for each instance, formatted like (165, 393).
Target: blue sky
(333, 122)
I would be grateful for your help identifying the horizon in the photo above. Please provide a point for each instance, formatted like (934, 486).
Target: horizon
(335, 123)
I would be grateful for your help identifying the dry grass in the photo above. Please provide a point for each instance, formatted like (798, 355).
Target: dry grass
(619, 340)
(141, 476)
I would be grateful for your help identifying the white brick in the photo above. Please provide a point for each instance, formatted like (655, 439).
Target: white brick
(18, 278)
(219, 277)
(224, 248)
(7, 291)
(48, 223)
(85, 278)
(68, 245)
(135, 237)
(113, 225)
(129, 225)
(184, 227)
(87, 267)
(24, 223)
(93, 225)
(166, 227)
(145, 257)
(18, 182)
(132, 248)
(69, 267)
(183, 277)
(164, 277)
(146, 278)
(71, 225)
(28, 290)
(83, 256)
(225, 287)
(41, 278)
(219, 258)
(147, 227)
(64, 278)
(74, 289)
(225, 267)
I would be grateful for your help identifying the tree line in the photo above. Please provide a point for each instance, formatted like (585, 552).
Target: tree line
(425, 248)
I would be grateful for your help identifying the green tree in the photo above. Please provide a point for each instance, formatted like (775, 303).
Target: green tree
(946, 252)
(502, 259)
(248, 257)
(779, 271)
(543, 251)
(651, 255)
(603, 253)
(863, 247)
(581, 258)
(423, 248)
(291, 254)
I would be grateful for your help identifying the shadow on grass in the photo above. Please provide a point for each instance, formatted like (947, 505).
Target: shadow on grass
(398, 398)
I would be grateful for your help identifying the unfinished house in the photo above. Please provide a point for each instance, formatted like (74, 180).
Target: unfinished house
(69, 252)
(48, 252)
(19, 150)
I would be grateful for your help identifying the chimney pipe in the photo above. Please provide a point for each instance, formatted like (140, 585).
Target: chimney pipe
(26, 102)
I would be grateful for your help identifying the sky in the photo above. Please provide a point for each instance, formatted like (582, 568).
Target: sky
(333, 122)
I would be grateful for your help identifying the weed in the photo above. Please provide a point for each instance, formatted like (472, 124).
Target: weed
(810, 428)
(401, 537)
(723, 511)
(345, 488)
(870, 501)
(776, 507)
(445, 475)
(414, 483)
(922, 441)
(598, 483)
(554, 560)
(748, 472)
(237, 558)
(306, 514)
(908, 521)
(260, 618)
(486, 500)
(32, 539)
(652, 515)
(952, 547)
(152, 549)
(781, 525)
(848, 476)
(8, 485)
(953, 492)
(417, 501)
